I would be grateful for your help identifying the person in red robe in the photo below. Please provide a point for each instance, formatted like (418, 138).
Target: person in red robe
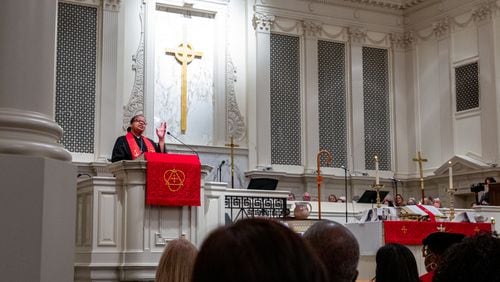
(134, 144)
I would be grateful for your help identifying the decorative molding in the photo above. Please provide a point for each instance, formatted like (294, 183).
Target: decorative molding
(235, 123)
(483, 12)
(441, 28)
(312, 28)
(387, 4)
(111, 5)
(356, 35)
(95, 3)
(341, 33)
(262, 22)
(135, 103)
(402, 41)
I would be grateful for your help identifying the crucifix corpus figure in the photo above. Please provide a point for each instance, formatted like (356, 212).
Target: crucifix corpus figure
(184, 54)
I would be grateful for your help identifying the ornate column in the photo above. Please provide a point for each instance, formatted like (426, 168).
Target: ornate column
(489, 94)
(403, 91)
(311, 31)
(442, 33)
(107, 123)
(262, 25)
(38, 195)
(357, 37)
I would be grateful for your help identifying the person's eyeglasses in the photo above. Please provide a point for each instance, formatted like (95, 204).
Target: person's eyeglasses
(141, 122)
(425, 251)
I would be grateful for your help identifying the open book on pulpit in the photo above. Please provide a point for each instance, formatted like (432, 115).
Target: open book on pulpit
(420, 212)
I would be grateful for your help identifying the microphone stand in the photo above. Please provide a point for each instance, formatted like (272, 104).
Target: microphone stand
(219, 170)
(345, 182)
(179, 140)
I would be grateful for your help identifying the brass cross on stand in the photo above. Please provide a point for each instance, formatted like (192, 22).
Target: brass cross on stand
(232, 145)
(184, 54)
(419, 159)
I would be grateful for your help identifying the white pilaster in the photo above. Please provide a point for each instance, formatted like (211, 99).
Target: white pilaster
(262, 25)
(446, 113)
(311, 115)
(38, 195)
(106, 125)
(358, 124)
(489, 97)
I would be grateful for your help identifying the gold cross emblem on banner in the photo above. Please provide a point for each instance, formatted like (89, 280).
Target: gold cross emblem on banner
(184, 54)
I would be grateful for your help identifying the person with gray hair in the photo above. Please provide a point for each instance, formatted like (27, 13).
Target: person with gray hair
(337, 247)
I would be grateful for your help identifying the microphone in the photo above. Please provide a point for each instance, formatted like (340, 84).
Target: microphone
(222, 163)
(179, 140)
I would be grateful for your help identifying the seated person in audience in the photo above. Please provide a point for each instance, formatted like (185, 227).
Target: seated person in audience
(485, 198)
(428, 200)
(332, 198)
(434, 246)
(437, 203)
(257, 250)
(400, 201)
(337, 247)
(395, 263)
(176, 262)
(134, 144)
(341, 199)
(411, 201)
(306, 196)
(388, 201)
(291, 197)
(474, 259)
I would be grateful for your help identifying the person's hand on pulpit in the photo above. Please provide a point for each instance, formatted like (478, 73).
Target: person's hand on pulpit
(160, 132)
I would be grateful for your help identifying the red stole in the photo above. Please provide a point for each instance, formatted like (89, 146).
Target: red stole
(134, 148)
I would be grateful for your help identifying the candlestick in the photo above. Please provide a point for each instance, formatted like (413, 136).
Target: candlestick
(450, 174)
(376, 171)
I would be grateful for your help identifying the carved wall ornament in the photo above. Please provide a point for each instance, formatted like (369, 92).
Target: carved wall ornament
(112, 5)
(135, 104)
(356, 35)
(235, 123)
(482, 13)
(403, 40)
(262, 22)
(312, 28)
(441, 28)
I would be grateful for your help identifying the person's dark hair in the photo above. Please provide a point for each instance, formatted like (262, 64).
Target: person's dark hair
(490, 179)
(474, 259)
(134, 117)
(255, 250)
(438, 242)
(337, 247)
(395, 263)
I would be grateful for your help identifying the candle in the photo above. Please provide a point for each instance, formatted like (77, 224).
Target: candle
(450, 175)
(376, 171)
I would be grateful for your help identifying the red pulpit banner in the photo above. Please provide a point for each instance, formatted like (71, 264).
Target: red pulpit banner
(173, 179)
(413, 232)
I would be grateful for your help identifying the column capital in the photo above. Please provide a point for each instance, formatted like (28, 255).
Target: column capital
(263, 23)
(312, 28)
(356, 34)
(441, 28)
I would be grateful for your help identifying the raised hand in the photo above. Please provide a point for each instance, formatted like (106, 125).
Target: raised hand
(160, 131)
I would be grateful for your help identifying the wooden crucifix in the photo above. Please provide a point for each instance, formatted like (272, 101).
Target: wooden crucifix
(419, 159)
(184, 54)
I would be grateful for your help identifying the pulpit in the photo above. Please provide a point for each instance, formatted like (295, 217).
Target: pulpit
(119, 236)
(494, 194)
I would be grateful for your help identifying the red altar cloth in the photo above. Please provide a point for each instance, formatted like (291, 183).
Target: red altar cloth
(173, 179)
(413, 232)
